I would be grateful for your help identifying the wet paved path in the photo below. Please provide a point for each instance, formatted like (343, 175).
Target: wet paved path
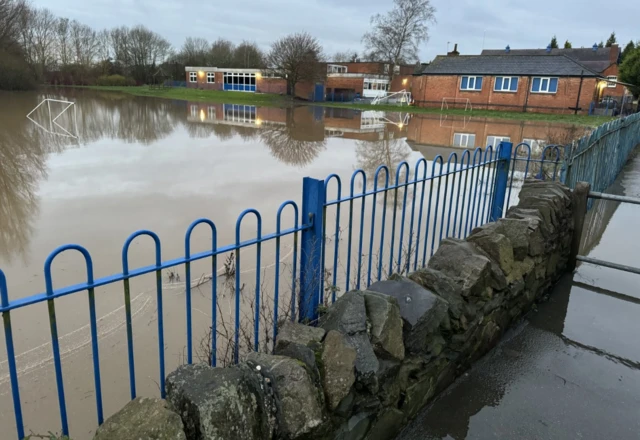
(571, 370)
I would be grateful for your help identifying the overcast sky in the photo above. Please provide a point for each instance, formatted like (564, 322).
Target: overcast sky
(339, 24)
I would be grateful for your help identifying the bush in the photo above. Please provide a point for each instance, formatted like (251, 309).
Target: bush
(115, 81)
(15, 73)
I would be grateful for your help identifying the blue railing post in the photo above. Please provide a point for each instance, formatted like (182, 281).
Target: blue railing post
(502, 179)
(313, 194)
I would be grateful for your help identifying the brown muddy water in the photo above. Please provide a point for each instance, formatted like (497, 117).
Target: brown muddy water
(113, 164)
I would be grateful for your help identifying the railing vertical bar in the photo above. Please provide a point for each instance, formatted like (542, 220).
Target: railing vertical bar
(129, 325)
(362, 209)
(384, 220)
(95, 354)
(469, 221)
(373, 220)
(404, 165)
(466, 184)
(435, 213)
(419, 227)
(11, 357)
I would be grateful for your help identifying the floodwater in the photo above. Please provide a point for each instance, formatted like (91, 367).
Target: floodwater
(571, 370)
(113, 164)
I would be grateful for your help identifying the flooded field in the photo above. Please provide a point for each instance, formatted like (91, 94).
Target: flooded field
(112, 164)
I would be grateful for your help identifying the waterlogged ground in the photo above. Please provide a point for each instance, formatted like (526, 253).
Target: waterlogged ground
(113, 164)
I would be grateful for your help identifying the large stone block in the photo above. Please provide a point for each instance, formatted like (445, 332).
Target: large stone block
(338, 368)
(348, 315)
(388, 425)
(293, 332)
(517, 231)
(446, 288)
(497, 247)
(142, 418)
(222, 403)
(472, 270)
(298, 401)
(422, 311)
(386, 324)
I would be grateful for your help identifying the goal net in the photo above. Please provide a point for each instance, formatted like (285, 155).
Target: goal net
(456, 103)
(399, 98)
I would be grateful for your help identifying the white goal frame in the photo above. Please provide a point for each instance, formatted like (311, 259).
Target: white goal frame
(53, 121)
(445, 104)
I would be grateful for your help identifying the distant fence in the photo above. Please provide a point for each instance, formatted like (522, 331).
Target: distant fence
(345, 235)
(599, 157)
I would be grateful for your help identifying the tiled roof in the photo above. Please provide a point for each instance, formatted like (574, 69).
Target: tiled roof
(597, 60)
(523, 65)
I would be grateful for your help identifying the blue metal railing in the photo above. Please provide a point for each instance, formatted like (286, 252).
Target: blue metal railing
(470, 189)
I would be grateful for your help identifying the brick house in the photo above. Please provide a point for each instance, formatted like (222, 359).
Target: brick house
(602, 60)
(242, 80)
(366, 79)
(528, 83)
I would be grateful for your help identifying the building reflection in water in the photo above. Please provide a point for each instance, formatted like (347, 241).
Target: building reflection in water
(295, 136)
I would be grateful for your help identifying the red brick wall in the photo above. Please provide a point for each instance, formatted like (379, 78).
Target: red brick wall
(271, 85)
(202, 82)
(618, 90)
(355, 84)
(428, 90)
(401, 82)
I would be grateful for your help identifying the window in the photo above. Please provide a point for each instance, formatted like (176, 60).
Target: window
(396, 70)
(537, 145)
(471, 83)
(464, 140)
(193, 77)
(544, 85)
(194, 110)
(211, 77)
(494, 141)
(612, 85)
(334, 68)
(386, 69)
(506, 84)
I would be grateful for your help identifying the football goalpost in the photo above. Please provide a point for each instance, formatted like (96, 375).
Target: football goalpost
(401, 97)
(54, 127)
(453, 101)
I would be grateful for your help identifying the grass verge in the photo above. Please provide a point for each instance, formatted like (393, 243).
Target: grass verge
(270, 100)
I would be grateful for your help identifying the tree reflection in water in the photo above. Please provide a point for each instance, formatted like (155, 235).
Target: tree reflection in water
(389, 151)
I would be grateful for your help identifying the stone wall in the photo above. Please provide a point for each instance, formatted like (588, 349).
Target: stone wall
(377, 356)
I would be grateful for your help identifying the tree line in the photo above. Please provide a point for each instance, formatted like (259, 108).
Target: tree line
(36, 46)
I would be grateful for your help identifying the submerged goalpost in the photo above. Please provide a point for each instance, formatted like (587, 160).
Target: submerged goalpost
(401, 97)
(54, 127)
(446, 101)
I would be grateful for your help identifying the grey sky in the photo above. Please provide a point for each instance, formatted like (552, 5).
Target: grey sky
(339, 24)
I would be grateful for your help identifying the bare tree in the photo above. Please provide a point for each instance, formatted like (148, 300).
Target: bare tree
(248, 55)
(296, 57)
(11, 13)
(348, 56)
(396, 36)
(194, 52)
(38, 38)
(84, 43)
(221, 53)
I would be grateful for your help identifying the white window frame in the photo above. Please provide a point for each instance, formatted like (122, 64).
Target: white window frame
(211, 76)
(336, 68)
(193, 77)
(542, 78)
(194, 110)
(464, 137)
(505, 79)
(396, 70)
(475, 79)
(611, 85)
(496, 140)
(537, 145)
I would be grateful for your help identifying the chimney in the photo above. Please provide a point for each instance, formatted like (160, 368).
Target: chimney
(595, 47)
(507, 49)
(454, 52)
(614, 53)
(549, 48)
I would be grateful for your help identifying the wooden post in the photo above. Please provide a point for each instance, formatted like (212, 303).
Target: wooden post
(580, 198)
